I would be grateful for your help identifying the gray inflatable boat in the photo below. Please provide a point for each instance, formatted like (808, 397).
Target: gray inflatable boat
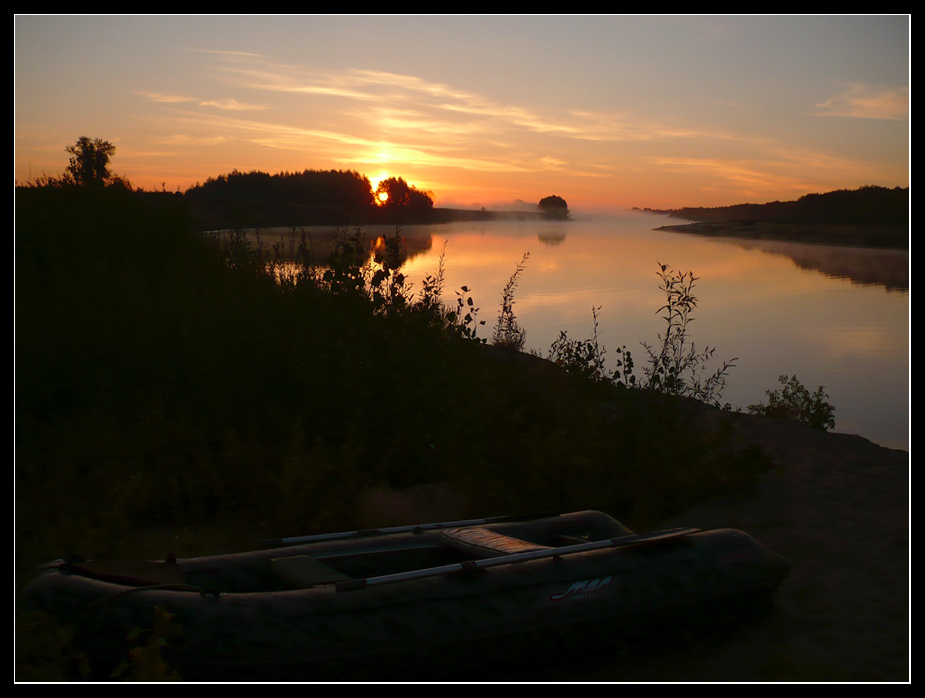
(494, 586)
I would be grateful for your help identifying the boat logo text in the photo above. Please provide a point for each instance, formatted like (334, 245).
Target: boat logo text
(581, 590)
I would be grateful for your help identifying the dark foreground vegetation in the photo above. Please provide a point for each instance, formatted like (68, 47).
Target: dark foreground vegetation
(870, 216)
(179, 394)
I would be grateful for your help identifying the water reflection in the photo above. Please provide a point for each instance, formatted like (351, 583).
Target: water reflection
(834, 317)
(552, 236)
(864, 266)
(321, 241)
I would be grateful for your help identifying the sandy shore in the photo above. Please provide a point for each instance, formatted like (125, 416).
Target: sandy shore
(836, 507)
(838, 510)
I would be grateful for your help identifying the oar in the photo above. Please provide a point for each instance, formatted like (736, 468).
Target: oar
(619, 542)
(296, 540)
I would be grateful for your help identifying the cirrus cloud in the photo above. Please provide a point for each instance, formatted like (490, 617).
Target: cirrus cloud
(867, 102)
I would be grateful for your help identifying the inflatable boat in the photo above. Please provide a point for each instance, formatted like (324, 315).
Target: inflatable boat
(494, 586)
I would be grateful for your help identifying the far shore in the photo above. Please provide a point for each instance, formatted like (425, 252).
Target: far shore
(884, 237)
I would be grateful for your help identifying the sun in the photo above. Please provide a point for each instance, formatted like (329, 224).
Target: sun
(380, 197)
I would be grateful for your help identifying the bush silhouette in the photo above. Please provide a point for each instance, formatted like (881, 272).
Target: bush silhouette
(795, 402)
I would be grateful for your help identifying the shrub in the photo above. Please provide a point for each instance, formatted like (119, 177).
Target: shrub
(677, 367)
(582, 357)
(795, 402)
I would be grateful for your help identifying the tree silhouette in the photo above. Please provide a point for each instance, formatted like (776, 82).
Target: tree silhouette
(554, 207)
(402, 195)
(89, 163)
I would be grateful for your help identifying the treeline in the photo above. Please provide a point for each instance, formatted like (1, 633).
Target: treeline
(319, 187)
(323, 197)
(867, 206)
(258, 199)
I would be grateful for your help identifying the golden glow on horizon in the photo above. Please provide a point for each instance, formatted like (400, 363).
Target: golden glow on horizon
(481, 131)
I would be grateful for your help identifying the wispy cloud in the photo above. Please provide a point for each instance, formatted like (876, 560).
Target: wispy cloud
(231, 105)
(344, 147)
(185, 140)
(745, 174)
(227, 104)
(412, 104)
(164, 98)
(867, 102)
(226, 53)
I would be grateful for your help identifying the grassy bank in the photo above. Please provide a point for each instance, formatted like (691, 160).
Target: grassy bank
(173, 396)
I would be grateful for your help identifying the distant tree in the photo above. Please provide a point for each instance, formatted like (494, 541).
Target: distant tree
(554, 207)
(89, 163)
(400, 194)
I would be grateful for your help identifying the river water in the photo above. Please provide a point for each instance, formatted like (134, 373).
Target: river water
(835, 317)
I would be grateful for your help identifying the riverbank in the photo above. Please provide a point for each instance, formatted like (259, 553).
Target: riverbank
(837, 507)
(867, 217)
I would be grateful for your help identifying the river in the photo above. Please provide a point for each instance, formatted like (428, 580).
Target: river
(832, 316)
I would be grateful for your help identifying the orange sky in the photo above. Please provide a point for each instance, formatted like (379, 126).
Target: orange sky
(607, 111)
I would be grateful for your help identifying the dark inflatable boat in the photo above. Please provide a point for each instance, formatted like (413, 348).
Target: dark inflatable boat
(493, 585)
